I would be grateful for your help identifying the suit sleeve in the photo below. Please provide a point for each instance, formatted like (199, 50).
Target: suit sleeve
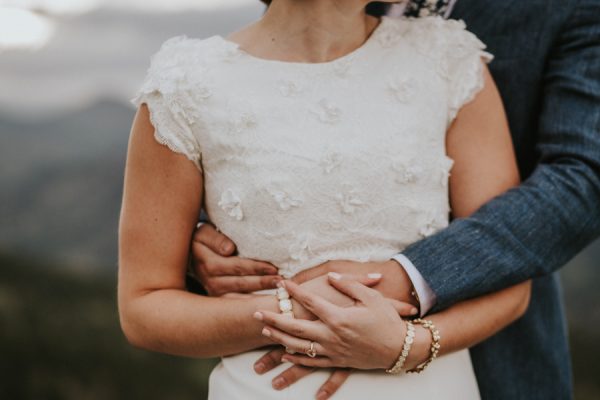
(533, 229)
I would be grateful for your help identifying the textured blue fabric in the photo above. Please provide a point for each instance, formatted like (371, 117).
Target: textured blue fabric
(547, 68)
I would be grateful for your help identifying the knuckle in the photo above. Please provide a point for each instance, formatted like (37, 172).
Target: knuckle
(337, 322)
(271, 359)
(238, 270)
(330, 386)
(290, 375)
(298, 331)
(209, 286)
(266, 282)
(242, 285)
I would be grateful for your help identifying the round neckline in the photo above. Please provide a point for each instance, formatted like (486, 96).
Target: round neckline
(357, 51)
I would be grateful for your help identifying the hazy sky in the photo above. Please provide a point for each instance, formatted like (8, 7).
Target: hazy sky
(100, 48)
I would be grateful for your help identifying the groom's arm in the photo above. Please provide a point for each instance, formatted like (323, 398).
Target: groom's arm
(536, 228)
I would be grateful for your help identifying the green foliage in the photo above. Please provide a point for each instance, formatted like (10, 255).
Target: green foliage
(60, 339)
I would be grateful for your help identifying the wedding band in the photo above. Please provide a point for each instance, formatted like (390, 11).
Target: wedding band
(311, 352)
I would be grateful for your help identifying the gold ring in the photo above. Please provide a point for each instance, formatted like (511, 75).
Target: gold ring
(311, 352)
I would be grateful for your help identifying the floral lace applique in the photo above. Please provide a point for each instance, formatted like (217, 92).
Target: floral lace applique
(327, 113)
(407, 172)
(284, 200)
(433, 224)
(445, 168)
(229, 54)
(300, 249)
(349, 201)
(403, 89)
(288, 88)
(232, 204)
(245, 121)
(330, 162)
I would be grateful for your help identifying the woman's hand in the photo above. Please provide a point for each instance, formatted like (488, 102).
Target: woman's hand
(343, 336)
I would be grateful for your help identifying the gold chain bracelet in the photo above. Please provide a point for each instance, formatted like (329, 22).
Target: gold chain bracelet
(435, 344)
(408, 341)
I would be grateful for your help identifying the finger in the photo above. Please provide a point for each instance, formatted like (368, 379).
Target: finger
(333, 383)
(319, 362)
(226, 284)
(290, 376)
(208, 235)
(354, 289)
(269, 361)
(365, 279)
(291, 342)
(311, 273)
(234, 295)
(300, 328)
(244, 266)
(323, 309)
(213, 264)
(403, 309)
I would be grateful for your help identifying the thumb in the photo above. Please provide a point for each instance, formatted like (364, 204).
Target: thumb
(209, 236)
(310, 274)
(403, 309)
(369, 280)
(354, 289)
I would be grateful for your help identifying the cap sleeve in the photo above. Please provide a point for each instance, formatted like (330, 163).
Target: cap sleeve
(167, 93)
(465, 58)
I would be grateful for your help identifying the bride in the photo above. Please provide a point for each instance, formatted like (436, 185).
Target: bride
(317, 133)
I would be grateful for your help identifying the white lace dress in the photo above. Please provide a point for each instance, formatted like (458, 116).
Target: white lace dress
(305, 163)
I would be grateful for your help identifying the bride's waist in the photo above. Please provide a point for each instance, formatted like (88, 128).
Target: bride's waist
(300, 257)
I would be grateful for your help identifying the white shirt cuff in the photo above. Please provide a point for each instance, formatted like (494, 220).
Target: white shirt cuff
(426, 295)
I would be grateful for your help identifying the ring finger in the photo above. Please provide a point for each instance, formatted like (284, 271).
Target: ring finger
(293, 343)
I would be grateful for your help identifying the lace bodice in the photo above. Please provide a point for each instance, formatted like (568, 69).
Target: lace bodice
(305, 163)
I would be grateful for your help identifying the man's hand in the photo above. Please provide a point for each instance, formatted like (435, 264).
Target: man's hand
(296, 372)
(221, 272)
(395, 283)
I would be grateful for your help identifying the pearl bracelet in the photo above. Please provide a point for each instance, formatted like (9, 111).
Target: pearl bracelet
(408, 341)
(435, 344)
(285, 304)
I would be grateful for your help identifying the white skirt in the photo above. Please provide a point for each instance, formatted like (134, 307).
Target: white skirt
(450, 377)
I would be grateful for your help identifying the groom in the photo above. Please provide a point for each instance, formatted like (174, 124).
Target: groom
(547, 67)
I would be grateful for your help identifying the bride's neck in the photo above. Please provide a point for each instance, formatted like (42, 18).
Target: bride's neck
(310, 30)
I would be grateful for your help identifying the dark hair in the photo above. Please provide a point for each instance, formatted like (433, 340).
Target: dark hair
(375, 8)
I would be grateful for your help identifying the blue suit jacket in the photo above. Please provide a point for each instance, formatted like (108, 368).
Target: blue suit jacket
(547, 68)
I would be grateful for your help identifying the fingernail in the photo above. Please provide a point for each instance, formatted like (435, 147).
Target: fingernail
(285, 359)
(334, 275)
(281, 284)
(266, 332)
(322, 395)
(414, 311)
(278, 383)
(226, 248)
(276, 281)
(259, 367)
(374, 276)
(258, 316)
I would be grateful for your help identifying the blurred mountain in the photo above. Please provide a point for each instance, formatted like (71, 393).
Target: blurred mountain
(61, 182)
(101, 54)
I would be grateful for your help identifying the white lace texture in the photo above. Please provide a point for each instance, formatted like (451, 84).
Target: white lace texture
(305, 163)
